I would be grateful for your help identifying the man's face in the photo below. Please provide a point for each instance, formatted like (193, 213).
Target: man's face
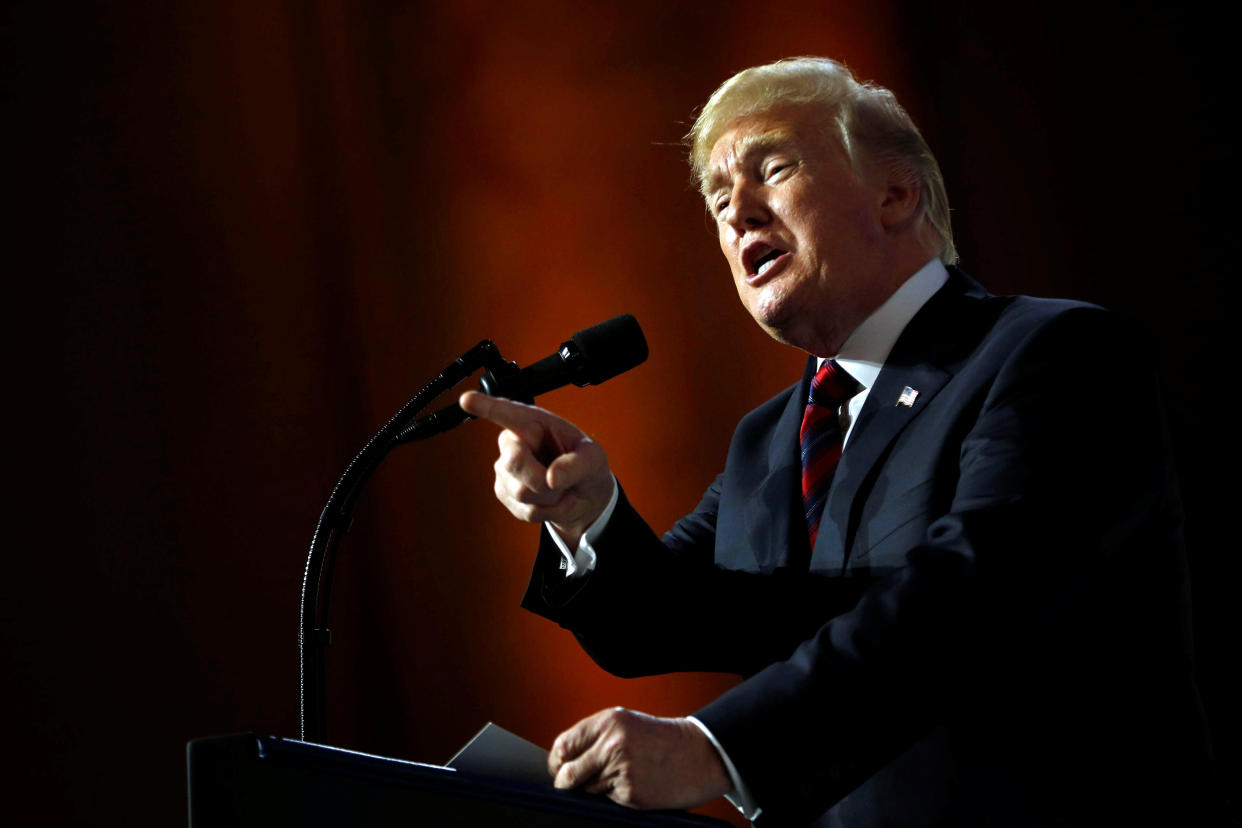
(800, 230)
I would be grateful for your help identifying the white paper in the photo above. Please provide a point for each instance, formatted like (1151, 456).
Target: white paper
(496, 752)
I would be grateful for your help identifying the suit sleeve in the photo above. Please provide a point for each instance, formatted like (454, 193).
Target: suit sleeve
(657, 605)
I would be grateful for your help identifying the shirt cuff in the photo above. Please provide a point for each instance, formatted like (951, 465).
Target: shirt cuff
(581, 561)
(740, 796)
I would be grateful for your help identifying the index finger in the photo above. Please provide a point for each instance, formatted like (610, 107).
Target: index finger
(525, 420)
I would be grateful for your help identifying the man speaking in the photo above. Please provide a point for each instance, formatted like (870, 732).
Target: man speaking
(947, 562)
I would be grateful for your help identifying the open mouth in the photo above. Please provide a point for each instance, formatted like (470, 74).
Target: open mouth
(767, 260)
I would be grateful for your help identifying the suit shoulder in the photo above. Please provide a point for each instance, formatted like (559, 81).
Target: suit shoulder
(1022, 319)
(966, 299)
(1035, 309)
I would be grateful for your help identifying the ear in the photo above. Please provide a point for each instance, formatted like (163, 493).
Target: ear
(899, 202)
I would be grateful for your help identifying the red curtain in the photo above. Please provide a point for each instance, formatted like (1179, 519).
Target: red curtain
(251, 231)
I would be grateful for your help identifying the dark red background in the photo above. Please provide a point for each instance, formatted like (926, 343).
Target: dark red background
(244, 233)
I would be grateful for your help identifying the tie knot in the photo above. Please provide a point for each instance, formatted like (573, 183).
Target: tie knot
(832, 386)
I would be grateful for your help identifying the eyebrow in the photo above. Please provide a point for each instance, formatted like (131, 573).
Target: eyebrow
(748, 147)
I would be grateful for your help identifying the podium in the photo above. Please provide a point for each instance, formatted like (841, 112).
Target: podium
(248, 781)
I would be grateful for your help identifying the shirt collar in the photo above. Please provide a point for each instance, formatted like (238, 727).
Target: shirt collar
(865, 350)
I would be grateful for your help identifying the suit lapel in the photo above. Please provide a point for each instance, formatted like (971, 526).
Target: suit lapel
(775, 527)
(924, 358)
(882, 418)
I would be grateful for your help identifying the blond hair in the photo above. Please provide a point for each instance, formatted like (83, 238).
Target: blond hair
(870, 126)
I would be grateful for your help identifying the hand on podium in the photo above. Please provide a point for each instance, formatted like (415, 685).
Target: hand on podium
(639, 761)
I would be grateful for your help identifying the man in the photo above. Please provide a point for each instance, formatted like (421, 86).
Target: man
(977, 614)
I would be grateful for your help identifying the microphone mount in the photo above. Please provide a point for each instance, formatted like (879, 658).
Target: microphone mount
(589, 357)
(336, 519)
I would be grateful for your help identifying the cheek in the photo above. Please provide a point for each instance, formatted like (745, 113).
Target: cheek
(727, 247)
(863, 222)
(840, 233)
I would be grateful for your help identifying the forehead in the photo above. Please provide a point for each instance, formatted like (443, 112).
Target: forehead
(791, 128)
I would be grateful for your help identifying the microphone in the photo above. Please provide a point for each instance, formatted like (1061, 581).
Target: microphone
(589, 357)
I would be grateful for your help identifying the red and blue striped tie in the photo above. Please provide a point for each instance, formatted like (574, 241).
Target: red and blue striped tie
(821, 438)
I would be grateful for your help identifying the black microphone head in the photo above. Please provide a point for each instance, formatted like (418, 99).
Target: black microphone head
(608, 349)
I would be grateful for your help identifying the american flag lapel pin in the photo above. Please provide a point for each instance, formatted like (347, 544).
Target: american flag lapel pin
(908, 395)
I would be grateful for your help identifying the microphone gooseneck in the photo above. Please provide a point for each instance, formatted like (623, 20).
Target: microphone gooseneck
(589, 357)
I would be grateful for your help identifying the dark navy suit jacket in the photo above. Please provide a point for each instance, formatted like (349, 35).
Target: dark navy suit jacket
(992, 628)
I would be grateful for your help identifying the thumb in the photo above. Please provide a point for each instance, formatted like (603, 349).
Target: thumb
(584, 463)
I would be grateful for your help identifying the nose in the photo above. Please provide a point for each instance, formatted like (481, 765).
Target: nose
(747, 209)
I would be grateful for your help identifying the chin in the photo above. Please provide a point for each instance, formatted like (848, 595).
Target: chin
(777, 316)
(797, 331)
(774, 309)
(785, 332)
